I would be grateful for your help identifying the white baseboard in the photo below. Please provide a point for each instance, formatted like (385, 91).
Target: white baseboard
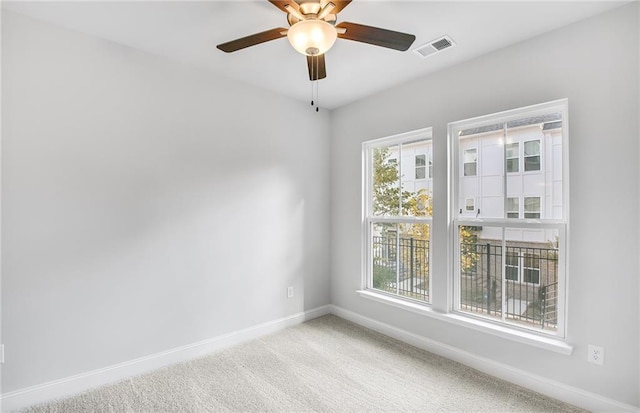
(79, 383)
(578, 397)
(69, 386)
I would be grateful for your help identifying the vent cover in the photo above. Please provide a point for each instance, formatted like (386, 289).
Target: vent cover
(435, 46)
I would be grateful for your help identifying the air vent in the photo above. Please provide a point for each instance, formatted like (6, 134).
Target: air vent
(435, 46)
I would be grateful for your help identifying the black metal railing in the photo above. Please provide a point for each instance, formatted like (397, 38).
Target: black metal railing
(401, 266)
(530, 284)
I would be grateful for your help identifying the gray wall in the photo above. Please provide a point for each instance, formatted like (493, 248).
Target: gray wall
(594, 64)
(147, 205)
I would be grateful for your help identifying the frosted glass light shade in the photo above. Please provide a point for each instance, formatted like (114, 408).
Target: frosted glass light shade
(312, 37)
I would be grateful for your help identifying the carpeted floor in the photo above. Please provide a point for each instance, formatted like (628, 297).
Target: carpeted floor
(325, 365)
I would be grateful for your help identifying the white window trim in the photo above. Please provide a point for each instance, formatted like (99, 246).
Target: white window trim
(559, 106)
(536, 338)
(367, 208)
(545, 342)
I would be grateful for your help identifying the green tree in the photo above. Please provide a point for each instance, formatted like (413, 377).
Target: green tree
(386, 185)
(387, 191)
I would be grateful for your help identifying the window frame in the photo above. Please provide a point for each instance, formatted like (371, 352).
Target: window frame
(456, 220)
(537, 212)
(422, 167)
(441, 305)
(525, 156)
(369, 220)
(475, 162)
(508, 211)
(516, 157)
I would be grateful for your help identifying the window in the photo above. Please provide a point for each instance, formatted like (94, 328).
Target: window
(469, 205)
(512, 152)
(513, 207)
(397, 216)
(504, 268)
(532, 207)
(512, 266)
(470, 162)
(531, 268)
(509, 263)
(421, 167)
(532, 156)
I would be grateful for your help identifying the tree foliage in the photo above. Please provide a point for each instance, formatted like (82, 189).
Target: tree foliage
(389, 198)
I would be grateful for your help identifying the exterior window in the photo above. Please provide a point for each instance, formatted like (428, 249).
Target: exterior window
(532, 156)
(512, 266)
(430, 166)
(512, 152)
(421, 167)
(470, 162)
(469, 205)
(398, 216)
(531, 268)
(532, 207)
(513, 207)
(506, 271)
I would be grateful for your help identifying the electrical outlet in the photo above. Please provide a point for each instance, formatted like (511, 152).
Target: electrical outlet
(595, 354)
(289, 292)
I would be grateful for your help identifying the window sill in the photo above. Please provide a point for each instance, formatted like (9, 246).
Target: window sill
(548, 343)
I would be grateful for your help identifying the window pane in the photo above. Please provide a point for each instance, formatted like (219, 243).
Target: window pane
(532, 207)
(469, 205)
(513, 207)
(513, 150)
(470, 155)
(532, 163)
(386, 180)
(470, 169)
(384, 247)
(530, 275)
(480, 272)
(512, 266)
(513, 157)
(416, 190)
(414, 261)
(470, 162)
(532, 156)
(400, 254)
(532, 148)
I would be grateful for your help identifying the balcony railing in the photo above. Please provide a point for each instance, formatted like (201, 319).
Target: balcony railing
(527, 294)
(401, 266)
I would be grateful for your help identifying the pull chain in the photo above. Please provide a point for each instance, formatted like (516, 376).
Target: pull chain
(315, 73)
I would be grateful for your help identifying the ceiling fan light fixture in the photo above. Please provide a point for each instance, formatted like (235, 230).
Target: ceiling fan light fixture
(312, 37)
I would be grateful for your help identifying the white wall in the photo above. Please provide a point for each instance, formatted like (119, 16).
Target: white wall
(147, 205)
(594, 64)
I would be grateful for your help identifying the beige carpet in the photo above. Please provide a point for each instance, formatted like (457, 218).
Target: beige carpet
(324, 365)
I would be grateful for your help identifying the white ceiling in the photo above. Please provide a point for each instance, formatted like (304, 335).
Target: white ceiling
(189, 31)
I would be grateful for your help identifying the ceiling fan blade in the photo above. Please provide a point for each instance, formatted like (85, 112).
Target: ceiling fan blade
(376, 36)
(288, 3)
(339, 5)
(252, 40)
(316, 66)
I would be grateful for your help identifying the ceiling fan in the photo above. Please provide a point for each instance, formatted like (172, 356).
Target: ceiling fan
(313, 31)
